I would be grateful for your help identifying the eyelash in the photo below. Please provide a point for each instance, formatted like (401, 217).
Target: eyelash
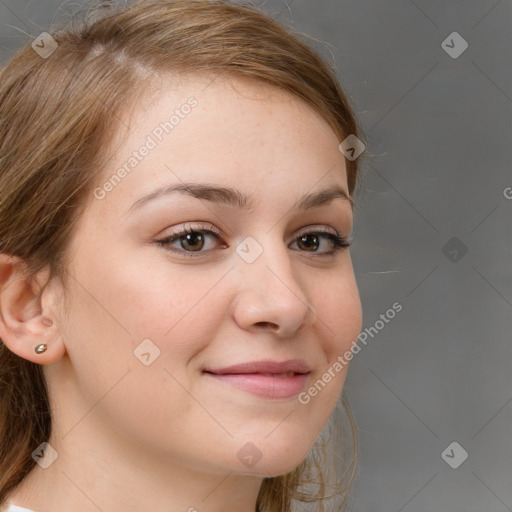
(338, 242)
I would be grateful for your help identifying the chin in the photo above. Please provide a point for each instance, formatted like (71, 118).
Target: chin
(271, 469)
(271, 460)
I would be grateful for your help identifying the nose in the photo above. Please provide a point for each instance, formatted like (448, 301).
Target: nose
(270, 296)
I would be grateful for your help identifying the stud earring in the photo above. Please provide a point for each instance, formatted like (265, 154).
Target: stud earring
(41, 348)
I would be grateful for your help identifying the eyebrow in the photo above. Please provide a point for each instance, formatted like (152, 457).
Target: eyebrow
(235, 198)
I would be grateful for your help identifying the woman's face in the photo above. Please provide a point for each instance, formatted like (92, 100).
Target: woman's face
(149, 321)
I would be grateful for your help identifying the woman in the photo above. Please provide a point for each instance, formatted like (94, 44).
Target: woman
(177, 290)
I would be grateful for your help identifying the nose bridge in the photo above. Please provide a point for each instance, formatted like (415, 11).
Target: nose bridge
(270, 291)
(267, 262)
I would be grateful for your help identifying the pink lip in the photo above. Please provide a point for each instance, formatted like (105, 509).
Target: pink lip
(261, 377)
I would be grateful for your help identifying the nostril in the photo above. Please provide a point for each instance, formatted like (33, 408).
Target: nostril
(265, 324)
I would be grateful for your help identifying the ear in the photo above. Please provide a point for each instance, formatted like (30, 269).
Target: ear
(24, 322)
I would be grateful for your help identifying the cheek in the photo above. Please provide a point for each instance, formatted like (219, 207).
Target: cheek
(126, 302)
(120, 309)
(339, 314)
(338, 324)
(177, 309)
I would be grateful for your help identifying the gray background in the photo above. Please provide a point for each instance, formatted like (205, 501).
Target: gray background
(437, 163)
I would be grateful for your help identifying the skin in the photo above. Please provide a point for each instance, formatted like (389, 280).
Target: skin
(132, 437)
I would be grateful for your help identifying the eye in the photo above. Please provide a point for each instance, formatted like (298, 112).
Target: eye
(311, 241)
(189, 240)
(192, 241)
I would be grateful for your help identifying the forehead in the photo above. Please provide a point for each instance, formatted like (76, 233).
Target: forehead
(224, 130)
(223, 105)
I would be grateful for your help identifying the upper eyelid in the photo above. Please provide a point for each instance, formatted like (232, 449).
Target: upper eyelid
(188, 226)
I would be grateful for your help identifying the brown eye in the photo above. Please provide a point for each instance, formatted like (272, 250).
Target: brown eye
(309, 242)
(320, 243)
(192, 241)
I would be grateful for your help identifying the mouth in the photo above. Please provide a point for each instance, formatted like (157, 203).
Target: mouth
(266, 379)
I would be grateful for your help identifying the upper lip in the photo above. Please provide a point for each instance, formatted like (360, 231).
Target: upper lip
(265, 366)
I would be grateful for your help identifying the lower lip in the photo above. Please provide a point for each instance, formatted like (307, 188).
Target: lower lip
(265, 386)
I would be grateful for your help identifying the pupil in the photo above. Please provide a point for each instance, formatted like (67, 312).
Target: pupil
(304, 240)
(191, 240)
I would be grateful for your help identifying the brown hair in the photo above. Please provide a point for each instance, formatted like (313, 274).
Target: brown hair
(57, 111)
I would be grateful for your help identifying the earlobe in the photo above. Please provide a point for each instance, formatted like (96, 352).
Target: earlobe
(25, 326)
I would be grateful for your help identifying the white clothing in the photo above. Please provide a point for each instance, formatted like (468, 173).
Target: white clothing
(15, 508)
